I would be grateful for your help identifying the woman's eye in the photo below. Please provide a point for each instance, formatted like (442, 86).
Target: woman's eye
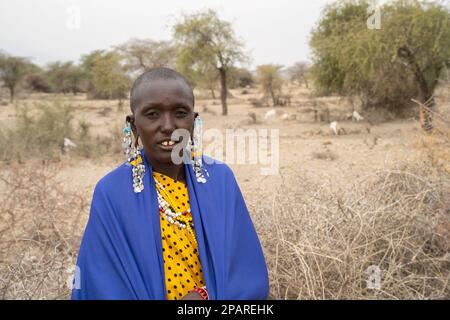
(181, 114)
(152, 114)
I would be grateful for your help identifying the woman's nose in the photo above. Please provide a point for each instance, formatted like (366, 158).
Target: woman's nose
(167, 124)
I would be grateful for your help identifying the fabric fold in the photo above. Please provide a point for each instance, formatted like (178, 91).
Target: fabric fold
(120, 256)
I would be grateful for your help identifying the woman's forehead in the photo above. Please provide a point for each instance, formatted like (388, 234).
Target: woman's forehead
(164, 92)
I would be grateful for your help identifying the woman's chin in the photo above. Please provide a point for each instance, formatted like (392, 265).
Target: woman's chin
(164, 158)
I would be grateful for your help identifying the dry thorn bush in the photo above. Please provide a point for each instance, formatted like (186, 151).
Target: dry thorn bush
(39, 132)
(436, 145)
(40, 230)
(319, 242)
(319, 239)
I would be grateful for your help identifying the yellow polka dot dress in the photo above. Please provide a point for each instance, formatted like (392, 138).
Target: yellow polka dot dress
(182, 268)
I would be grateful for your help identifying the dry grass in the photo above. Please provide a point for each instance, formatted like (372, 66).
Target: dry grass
(319, 243)
(39, 131)
(40, 230)
(324, 155)
(436, 146)
(319, 238)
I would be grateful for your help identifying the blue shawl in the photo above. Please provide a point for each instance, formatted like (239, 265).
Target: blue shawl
(120, 255)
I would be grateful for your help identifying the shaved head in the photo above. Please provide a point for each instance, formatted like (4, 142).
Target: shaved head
(144, 81)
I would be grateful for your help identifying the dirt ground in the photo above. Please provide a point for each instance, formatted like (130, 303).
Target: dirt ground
(305, 145)
(323, 180)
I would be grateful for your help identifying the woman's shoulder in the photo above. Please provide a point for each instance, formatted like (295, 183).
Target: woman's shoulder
(218, 168)
(216, 165)
(115, 178)
(121, 175)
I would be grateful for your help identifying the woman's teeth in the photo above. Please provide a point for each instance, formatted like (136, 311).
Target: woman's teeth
(168, 143)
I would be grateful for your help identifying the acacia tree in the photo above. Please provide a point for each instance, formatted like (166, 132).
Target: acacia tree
(240, 78)
(203, 75)
(268, 76)
(12, 71)
(422, 46)
(206, 42)
(65, 77)
(106, 74)
(143, 54)
(38, 81)
(77, 78)
(298, 72)
(385, 67)
(207, 78)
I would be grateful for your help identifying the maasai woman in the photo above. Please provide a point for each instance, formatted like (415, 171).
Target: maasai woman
(162, 230)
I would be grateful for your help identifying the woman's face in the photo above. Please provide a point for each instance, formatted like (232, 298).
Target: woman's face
(162, 106)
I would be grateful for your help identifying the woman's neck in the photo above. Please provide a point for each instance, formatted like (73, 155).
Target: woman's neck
(176, 172)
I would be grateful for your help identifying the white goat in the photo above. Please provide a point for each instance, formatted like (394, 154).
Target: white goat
(356, 116)
(333, 126)
(68, 144)
(270, 115)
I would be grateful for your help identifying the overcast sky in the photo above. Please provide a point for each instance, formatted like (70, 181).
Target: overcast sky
(275, 31)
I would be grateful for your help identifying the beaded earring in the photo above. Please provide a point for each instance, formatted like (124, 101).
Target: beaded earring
(134, 158)
(197, 150)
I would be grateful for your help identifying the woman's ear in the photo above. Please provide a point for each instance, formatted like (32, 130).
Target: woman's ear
(193, 124)
(130, 118)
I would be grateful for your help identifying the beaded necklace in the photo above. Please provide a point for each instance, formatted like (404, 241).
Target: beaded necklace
(180, 219)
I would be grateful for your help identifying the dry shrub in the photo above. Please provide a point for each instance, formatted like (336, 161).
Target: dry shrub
(40, 133)
(40, 230)
(319, 240)
(324, 155)
(89, 146)
(436, 145)
(256, 103)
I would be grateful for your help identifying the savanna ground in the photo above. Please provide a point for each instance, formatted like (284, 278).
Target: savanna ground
(375, 196)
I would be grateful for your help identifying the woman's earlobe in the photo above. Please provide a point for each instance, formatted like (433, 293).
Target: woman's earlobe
(131, 120)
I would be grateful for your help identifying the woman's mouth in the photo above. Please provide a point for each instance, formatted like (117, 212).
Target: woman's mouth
(167, 145)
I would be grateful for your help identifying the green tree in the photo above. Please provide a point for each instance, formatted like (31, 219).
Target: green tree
(106, 74)
(143, 54)
(206, 78)
(38, 81)
(12, 71)
(385, 67)
(66, 77)
(77, 77)
(57, 75)
(203, 75)
(240, 78)
(299, 73)
(205, 42)
(268, 76)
